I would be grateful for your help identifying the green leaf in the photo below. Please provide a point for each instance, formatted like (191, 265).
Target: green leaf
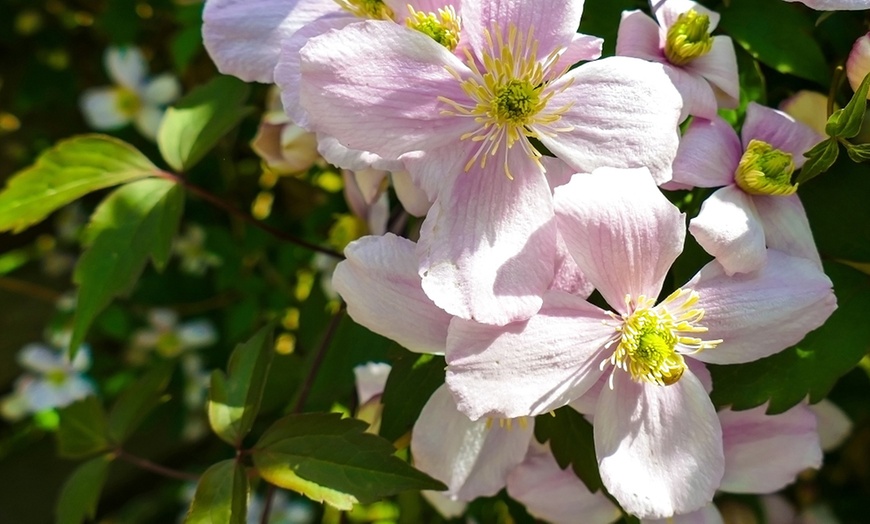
(83, 429)
(68, 171)
(812, 366)
(332, 460)
(787, 46)
(138, 400)
(846, 122)
(819, 159)
(81, 491)
(136, 221)
(570, 437)
(12, 260)
(412, 381)
(221, 496)
(234, 400)
(195, 124)
(858, 153)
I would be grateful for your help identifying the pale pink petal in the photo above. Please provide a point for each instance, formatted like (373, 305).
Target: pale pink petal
(719, 67)
(569, 278)
(761, 313)
(161, 90)
(126, 66)
(434, 169)
(659, 448)
(412, 198)
(101, 108)
(340, 156)
(527, 368)
(370, 379)
(764, 453)
(558, 172)
(639, 36)
(834, 425)
(243, 37)
(472, 457)
(378, 215)
(554, 494)
(709, 514)
(708, 155)
(375, 86)
(623, 113)
(487, 248)
(858, 63)
(668, 11)
(624, 234)
(728, 227)
(777, 510)
(41, 359)
(379, 282)
(786, 227)
(699, 98)
(835, 5)
(444, 505)
(370, 183)
(581, 49)
(779, 130)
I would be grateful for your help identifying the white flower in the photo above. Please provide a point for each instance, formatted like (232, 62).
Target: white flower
(169, 337)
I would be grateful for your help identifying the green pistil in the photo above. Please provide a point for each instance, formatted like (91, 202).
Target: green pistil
(515, 101)
(688, 38)
(443, 28)
(764, 170)
(649, 345)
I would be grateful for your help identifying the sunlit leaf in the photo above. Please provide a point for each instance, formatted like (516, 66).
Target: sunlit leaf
(221, 496)
(80, 493)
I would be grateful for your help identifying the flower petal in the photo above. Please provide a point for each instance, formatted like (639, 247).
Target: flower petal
(834, 5)
(126, 66)
(786, 227)
(708, 155)
(379, 282)
(147, 121)
(639, 36)
(624, 234)
(581, 49)
(375, 86)
(487, 248)
(243, 37)
(100, 107)
(197, 334)
(699, 98)
(41, 359)
(659, 448)
(472, 458)
(412, 198)
(764, 453)
(719, 67)
(709, 514)
(527, 368)
(761, 313)
(833, 423)
(340, 156)
(779, 130)
(161, 90)
(668, 11)
(622, 112)
(370, 379)
(569, 277)
(728, 227)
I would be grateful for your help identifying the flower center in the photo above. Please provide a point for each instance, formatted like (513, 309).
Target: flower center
(128, 102)
(765, 170)
(688, 38)
(369, 9)
(169, 344)
(56, 377)
(443, 27)
(510, 96)
(650, 336)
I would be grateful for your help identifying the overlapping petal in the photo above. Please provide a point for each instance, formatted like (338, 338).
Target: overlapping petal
(708, 154)
(639, 36)
(728, 227)
(779, 130)
(786, 227)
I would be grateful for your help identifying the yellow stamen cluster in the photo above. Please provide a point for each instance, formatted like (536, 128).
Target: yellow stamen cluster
(169, 344)
(688, 38)
(765, 170)
(56, 377)
(507, 423)
(368, 9)
(510, 94)
(127, 102)
(650, 336)
(443, 27)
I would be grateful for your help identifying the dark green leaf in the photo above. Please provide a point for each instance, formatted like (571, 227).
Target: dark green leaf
(331, 459)
(858, 153)
(412, 381)
(195, 124)
(234, 400)
(71, 169)
(812, 366)
(819, 159)
(601, 18)
(81, 491)
(787, 46)
(221, 496)
(570, 437)
(138, 400)
(134, 222)
(83, 429)
(846, 122)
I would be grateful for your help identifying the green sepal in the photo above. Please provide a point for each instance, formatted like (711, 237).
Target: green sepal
(819, 159)
(846, 122)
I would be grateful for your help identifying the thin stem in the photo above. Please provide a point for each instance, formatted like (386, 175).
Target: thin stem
(29, 289)
(835, 85)
(318, 360)
(216, 201)
(267, 507)
(156, 468)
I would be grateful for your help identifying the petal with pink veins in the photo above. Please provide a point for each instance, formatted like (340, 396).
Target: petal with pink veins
(340, 156)
(786, 227)
(699, 99)
(668, 11)
(708, 155)
(779, 130)
(719, 67)
(581, 49)
(639, 36)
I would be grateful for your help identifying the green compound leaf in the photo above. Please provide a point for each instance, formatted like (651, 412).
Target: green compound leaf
(135, 222)
(571, 441)
(332, 460)
(83, 429)
(234, 399)
(81, 491)
(812, 366)
(195, 124)
(819, 159)
(221, 496)
(787, 46)
(412, 380)
(68, 171)
(846, 122)
(138, 400)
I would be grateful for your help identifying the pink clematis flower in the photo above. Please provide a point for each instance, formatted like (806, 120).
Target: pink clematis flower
(757, 207)
(657, 437)
(702, 67)
(464, 127)
(835, 5)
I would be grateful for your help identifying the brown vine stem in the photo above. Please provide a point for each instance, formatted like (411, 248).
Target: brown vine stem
(156, 468)
(216, 201)
(29, 289)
